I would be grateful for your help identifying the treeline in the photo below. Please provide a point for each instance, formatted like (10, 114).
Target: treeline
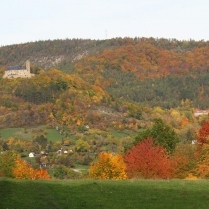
(74, 49)
(18, 53)
(69, 49)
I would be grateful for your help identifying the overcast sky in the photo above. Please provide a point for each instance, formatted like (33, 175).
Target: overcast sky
(24, 21)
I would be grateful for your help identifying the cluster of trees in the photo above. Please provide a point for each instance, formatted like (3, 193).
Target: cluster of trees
(52, 154)
(22, 170)
(11, 165)
(140, 72)
(51, 96)
(82, 150)
(156, 154)
(167, 92)
(40, 93)
(147, 60)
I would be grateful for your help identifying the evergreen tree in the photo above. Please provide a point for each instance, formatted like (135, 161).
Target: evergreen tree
(161, 134)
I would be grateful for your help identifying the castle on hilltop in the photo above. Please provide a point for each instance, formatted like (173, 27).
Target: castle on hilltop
(18, 71)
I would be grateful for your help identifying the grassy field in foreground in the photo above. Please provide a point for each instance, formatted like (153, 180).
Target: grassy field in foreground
(96, 194)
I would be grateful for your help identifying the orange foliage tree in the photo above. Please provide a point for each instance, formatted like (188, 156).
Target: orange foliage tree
(24, 171)
(202, 170)
(203, 133)
(147, 160)
(108, 166)
(200, 159)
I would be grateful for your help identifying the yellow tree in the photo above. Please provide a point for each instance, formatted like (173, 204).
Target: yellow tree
(202, 170)
(108, 166)
(82, 146)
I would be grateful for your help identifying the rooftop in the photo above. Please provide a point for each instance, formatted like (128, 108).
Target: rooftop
(15, 67)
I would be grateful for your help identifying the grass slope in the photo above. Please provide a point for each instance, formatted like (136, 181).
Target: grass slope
(11, 132)
(52, 134)
(78, 194)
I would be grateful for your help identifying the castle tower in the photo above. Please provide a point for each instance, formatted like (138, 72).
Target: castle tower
(27, 64)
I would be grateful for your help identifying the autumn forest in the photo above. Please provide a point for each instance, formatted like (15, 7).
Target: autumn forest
(117, 108)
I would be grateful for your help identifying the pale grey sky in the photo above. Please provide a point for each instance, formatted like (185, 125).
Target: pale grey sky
(33, 20)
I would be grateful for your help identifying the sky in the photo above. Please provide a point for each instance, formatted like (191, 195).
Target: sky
(23, 21)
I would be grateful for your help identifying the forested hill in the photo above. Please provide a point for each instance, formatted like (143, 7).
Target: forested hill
(49, 53)
(53, 98)
(157, 72)
(153, 52)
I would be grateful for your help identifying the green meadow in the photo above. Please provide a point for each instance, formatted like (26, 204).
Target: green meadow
(52, 134)
(109, 194)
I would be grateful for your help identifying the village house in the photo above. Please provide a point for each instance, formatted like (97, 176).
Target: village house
(200, 112)
(31, 154)
(18, 71)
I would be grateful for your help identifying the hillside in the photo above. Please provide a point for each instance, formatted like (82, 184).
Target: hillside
(50, 53)
(136, 70)
(56, 98)
(148, 74)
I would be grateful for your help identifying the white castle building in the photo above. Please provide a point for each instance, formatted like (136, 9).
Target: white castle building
(18, 71)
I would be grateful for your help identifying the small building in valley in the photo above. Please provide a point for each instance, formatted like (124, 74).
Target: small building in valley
(201, 112)
(31, 154)
(17, 71)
